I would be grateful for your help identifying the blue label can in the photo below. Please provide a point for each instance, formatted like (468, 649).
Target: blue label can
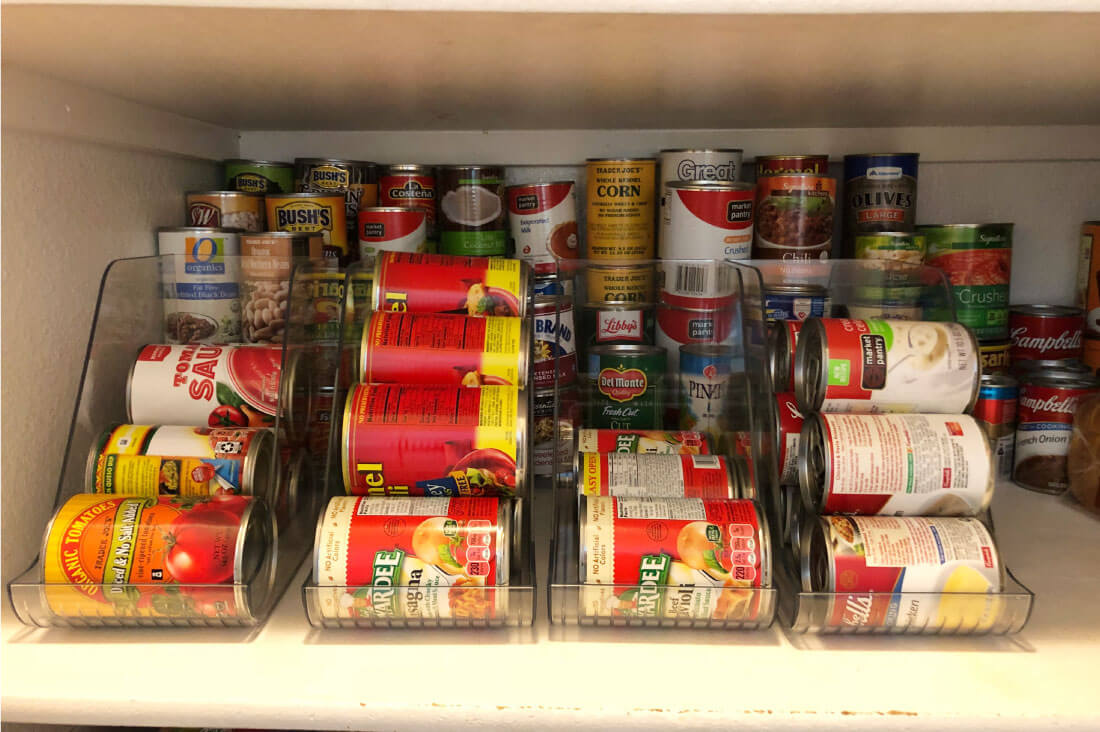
(796, 302)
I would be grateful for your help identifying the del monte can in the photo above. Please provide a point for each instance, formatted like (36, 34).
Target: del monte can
(625, 387)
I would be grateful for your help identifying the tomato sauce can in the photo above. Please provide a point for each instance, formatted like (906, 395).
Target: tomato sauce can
(625, 385)
(1046, 332)
(901, 572)
(654, 442)
(259, 176)
(897, 464)
(441, 283)
(555, 346)
(977, 259)
(618, 323)
(788, 431)
(706, 386)
(794, 217)
(400, 440)
(995, 412)
(1048, 401)
(1088, 276)
(356, 181)
(880, 192)
(199, 558)
(796, 302)
(322, 214)
(546, 428)
(226, 209)
(543, 220)
(772, 165)
(782, 349)
(706, 220)
(873, 366)
(407, 185)
(684, 320)
(678, 558)
(391, 229)
(605, 283)
(438, 348)
(642, 474)
(414, 558)
(201, 284)
(621, 208)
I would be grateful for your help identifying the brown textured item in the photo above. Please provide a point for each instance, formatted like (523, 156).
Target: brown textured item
(1084, 454)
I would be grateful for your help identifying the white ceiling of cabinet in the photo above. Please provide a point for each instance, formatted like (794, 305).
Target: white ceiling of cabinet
(270, 69)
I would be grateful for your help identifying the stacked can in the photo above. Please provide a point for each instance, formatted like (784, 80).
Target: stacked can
(555, 378)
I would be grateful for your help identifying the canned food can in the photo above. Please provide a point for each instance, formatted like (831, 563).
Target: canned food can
(654, 442)
(782, 349)
(323, 300)
(266, 265)
(684, 320)
(1091, 352)
(878, 310)
(995, 412)
(619, 284)
(391, 229)
(996, 356)
(794, 217)
(896, 464)
(408, 185)
(440, 283)
(898, 246)
(205, 558)
(619, 323)
(790, 506)
(872, 366)
(773, 165)
(621, 208)
(434, 440)
(472, 210)
(323, 424)
(356, 181)
(705, 386)
(259, 176)
(625, 387)
(226, 209)
(146, 460)
(720, 165)
(543, 220)
(796, 302)
(436, 348)
(682, 558)
(555, 342)
(1088, 276)
(880, 192)
(900, 572)
(642, 474)
(312, 213)
(1046, 332)
(201, 293)
(420, 557)
(294, 486)
(977, 259)
(1048, 401)
(1034, 366)
(550, 283)
(695, 279)
(545, 430)
(788, 432)
(706, 220)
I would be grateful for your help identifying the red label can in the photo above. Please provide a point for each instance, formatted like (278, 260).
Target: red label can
(1045, 332)
(410, 186)
(646, 474)
(769, 165)
(441, 283)
(683, 320)
(391, 229)
(1044, 427)
(657, 442)
(788, 428)
(543, 218)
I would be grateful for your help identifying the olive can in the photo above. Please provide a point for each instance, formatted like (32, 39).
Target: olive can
(226, 209)
(796, 302)
(900, 246)
(770, 165)
(354, 180)
(620, 284)
(880, 192)
(648, 474)
(473, 210)
(621, 208)
(312, 213)
(625, 385)
(259, 176)
(995, 412)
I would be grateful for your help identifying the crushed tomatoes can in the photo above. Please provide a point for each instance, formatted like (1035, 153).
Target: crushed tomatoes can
(657, 442)
(706, 220)
(641, 474)
(434, 440)
(436, 348)
(441, 283)
(977, 259)
(1046, 332)
(417, 557)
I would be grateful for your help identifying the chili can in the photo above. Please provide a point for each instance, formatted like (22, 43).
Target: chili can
(625, 387)
(266, 264)
(312, 213)
(1088, 276)
(441, 283)
(619, 284)
(706, 220)
(782, 349)
(543, 220)
(548, 429)
(259, 176)
(705, 386)
(788, 433)
(437, 348)
(391, 229)
(356, 181)
(880, 192)
(872, 366)
(654, 442)
(472, 210)
(621, 208)
(200, 281)
(794, 217)
(1048, 401)
(898, 246)
(772, 165)
(226, 209)
(647, 474)
(995, 412)
(683, 320)
(434, 440)
(555, 347)
(408, 185)
(1046, 332)
(996, 356)
(618, 323)
(796, 302)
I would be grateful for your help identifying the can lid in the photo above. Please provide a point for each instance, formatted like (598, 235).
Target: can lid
(794, 156)
(710, 185)
(1064, 379)
(620, 160)
(999, 378)
(813, 462)
(334, 161)
(1071, 365)
(408, 168)
(714, 350)
(304, 194)
(816, 555)
(1048, 311)
(925, 227)
(257, 545)
(199, 230)
(795, 289)
(857, 156)
(395, 210)
(702, 150)
(269, 163)
(241, 194)
(541, 184)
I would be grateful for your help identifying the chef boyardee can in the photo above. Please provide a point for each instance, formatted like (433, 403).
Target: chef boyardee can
(625, 387)
(880, 193)
(995, 412)
(354, 180)
(259, 176)
(796, 302)
(555, 344)
(621, 207)
(312, 213)
(641, 474)
(705, 386)
(472, 210)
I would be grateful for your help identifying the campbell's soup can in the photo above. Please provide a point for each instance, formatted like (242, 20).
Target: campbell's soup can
(896, 464)
(782, 347)
(995, 412)
(312, 213)
(1046, 332)
(720, 165)
(771, 165)
(706, 220)
(871, 366)
(356, 181)
(619, 284)
(618, 323)
(682, 558)
(543, 219)
(880, 193)
(414, 558)
(1088, 276)
(996, 356)
(408, 185)
(684, 320)
(226, 209)
(788, 431)
(647, 474)
(624, 387)
(441, 283)
(621, 208)
(655, 442)
(259, 176)
(401, 440)
(391, 229)
(706, 386)
(901, 572)
(555, 346)
(796, 302)
(146, 558)
(794, 217)
(1048, 401)
(548, 429)
(201, 284)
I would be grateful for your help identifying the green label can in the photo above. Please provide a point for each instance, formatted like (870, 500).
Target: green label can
(896, 245)
(625, 387)
(472, 210)
(977, 259)
(259, 176)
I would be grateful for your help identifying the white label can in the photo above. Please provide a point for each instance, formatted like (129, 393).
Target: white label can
(393, 230)
(543, 218)
(201, 284)
(704, 220)
(714, 165)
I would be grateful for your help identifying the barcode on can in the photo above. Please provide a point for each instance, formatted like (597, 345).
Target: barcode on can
(695, 279)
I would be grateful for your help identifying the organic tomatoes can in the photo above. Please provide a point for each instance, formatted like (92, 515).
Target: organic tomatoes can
(901, 572)
(641, 474)
(655, 442)
(875, 366)
(391, 229)
(543, 219)
(414, 557)
(621, 208)
(1046, 332)
(120, 559)
(706, 220)
(782, 347)
(1048, 402)
(977, 259)
(437, 348)
(441, 283)
(555, 352)
(403, 440)
(678, 558)
(788, 430)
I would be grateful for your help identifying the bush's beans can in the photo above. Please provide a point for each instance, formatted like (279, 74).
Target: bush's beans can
(901, 572)
(391, 229)
(796, 302)
(440, 283)
(1088, 276)
(996, 356)
(621, 208)
(900, 246)
(545, 460)
(683, 558)
(266, 264)
(655, 442)
(782, 347)
(625, 387)
(897, 464)
(1048, 401)
(356, 181)
(683, 320)
(995, 412)
(642, 474)
(1045, 332)
(145, 460)
(151, 558)
(555, 347)
(408, 185)
(619, 284)
(312, 213)
(773, 165)
(200, 284)
(226, 209)
(472, 210)
(880, 192)
(977, 259)
(436, 348)
(788, 431)
(705, 386)
(434, 440)
(622, 323)
(722, 165)
(414, 558)
(706, 220)
(872, 366)
(794, 217)
(543, 219)
(259, 176)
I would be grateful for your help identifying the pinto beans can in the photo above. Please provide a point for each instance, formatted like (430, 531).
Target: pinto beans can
(873, 366)
(312, 213)
(1046, 332)
(1048, 401)
(226, 209)
(977, 259)
(995, 412)
(408, 185)
(686, 558)
(641, 474)
(706, 386)
(788, 432)
(621, 208)
(772, 165)
(794, 217)
(555, 348)
(436, 348)
(440, 283)
(880, 192)
(652, 442)
(706, 220)
(430, 558)
(391, 229)
(543, 218)
(434, 440)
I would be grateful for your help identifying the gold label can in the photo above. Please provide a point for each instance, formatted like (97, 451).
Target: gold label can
(620, 284)
(621, 208)
(311, 213)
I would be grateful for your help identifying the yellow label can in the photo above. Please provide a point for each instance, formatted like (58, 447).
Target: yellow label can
(621, 208)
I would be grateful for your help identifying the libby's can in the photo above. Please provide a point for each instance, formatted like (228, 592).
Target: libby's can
(200, 283)
(548, 429)
(706, 220)
(356, 181)
(788, 433)
(259, 176)
(555, 346)
(472, 210)
(605, 283)
(796, 302)
(772, 165)
(621, 208)
(782, 348)
(721, 165)
(618, 323)
(899, 246)
(977, 260)
(312, 213)
(648, 474)
(705, 386)
(1048, 401)
(654, 442)
(391, 229)
(625, 387)
(408, 185)
(794, 217)
(880, 193)
(1045, 332)
(683, 320)
(226, 209)
(266, 264)
(440, 283)
(996, 356)
(543, 219)
(995, 412)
